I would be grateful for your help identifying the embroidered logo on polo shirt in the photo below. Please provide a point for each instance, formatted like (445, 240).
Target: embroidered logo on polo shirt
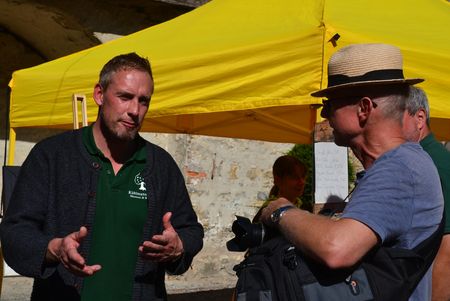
(138, 180)
(141, 194)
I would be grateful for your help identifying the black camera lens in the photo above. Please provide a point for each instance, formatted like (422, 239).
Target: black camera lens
(247, 234)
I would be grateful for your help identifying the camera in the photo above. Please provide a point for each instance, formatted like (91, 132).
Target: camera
(247, 234)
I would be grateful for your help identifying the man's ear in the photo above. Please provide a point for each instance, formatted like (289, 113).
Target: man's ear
(421, 118)
(365, 107)
(98, 94)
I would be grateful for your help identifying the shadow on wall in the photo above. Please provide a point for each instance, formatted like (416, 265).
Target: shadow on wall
(216, 295)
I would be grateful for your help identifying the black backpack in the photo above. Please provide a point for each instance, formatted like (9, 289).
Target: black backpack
(277, 271)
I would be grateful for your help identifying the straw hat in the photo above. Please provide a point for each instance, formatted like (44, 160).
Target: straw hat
(364, 65)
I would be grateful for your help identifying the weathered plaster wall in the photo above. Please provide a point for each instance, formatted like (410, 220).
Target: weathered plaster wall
(224, 177)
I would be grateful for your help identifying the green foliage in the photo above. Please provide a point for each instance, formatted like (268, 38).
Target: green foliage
(304, 152)
(351, 174)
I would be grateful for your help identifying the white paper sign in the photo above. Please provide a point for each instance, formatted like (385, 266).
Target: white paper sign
(331, 172)
(7, 271)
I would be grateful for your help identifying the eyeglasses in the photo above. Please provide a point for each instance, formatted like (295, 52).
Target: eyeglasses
(327, 104)
(326, 107)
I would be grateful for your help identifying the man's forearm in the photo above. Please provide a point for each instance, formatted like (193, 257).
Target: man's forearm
(336, 243)
(441, 271)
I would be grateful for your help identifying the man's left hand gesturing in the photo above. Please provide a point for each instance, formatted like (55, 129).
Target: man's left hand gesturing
(165, 247)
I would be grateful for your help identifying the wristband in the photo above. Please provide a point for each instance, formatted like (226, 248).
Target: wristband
(277, 214)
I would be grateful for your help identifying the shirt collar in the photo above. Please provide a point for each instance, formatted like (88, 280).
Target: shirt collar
(427, 140)
(139, 155)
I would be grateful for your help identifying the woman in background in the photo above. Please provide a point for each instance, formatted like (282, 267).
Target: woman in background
(289, 178)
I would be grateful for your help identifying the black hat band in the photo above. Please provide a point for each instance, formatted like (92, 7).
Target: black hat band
(377, 75)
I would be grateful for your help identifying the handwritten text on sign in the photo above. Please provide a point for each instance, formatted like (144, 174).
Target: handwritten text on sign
(331, 172)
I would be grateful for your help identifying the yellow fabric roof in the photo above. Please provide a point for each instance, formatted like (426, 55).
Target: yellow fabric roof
(245, 69)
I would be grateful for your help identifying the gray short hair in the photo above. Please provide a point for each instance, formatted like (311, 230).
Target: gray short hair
(393, 106)
(417, 100)
(392, 100)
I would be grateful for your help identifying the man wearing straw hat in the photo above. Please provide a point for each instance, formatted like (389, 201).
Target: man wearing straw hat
(398, 201)
(99, 213)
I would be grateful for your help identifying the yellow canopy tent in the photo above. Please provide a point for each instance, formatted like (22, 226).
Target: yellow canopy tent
(245, 69)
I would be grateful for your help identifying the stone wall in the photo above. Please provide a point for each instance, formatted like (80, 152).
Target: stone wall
(224, 177)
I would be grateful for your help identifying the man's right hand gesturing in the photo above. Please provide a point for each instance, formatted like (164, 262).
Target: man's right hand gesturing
(65, 251)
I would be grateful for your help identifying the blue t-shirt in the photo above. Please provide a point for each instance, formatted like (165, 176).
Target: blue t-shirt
(400, 199)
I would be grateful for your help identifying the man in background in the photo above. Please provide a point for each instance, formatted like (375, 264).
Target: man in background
(417, 128)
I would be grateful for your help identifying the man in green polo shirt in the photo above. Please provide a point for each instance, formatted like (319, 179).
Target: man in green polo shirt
(417, 128)
(100, 213)
(121, 210)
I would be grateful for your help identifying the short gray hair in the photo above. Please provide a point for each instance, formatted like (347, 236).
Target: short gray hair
(392, 100)
(418, 100)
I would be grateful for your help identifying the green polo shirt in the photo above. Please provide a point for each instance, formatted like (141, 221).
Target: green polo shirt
(120, 214)
(441, 158)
